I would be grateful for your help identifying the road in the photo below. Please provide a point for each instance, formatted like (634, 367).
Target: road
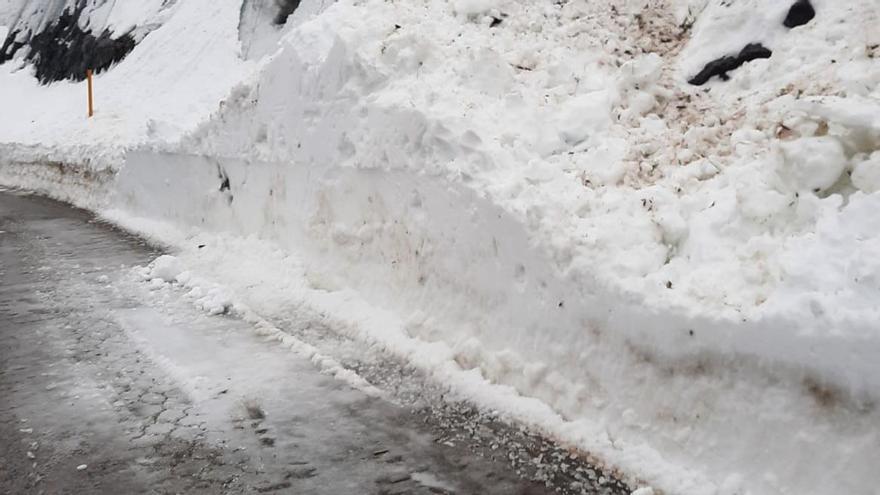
(107, 386)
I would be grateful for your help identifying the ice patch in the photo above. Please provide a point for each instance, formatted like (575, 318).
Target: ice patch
(866, 173)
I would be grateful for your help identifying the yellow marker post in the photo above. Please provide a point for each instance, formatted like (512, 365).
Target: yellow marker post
(91, 100)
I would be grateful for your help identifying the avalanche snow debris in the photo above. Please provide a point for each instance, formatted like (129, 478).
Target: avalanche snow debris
(813, 163)
(165, 267)
(866, 173)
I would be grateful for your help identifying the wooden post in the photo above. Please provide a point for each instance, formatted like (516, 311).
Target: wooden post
(91, 100)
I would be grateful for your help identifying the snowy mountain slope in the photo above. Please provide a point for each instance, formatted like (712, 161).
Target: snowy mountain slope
(146, 97)
(63, 38)
(9, 9)
(683, 274)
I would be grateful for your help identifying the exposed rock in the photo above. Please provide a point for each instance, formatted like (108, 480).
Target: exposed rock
(753, 51)
(285, 8)
(800, 13)
(721, 66)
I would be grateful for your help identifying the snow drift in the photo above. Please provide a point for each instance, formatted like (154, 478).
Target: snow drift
(683, 277)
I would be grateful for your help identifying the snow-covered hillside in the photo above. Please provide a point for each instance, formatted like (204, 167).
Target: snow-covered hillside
(528, 200)
(62, 39)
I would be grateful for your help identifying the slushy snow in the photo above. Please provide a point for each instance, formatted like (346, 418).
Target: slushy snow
(527, 201)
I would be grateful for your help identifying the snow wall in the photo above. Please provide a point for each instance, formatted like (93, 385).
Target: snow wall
(675, 400)
(517, 225)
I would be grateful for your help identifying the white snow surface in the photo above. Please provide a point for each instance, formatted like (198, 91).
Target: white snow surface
(27, 18)
(543, 214)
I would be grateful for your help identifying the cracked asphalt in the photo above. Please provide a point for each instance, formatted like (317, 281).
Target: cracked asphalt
(106, 387)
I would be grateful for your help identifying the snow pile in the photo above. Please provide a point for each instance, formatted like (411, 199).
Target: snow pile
(683, 276)
(164, 268)
(167, 269)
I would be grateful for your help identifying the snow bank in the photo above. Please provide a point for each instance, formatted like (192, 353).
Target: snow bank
(531, 195)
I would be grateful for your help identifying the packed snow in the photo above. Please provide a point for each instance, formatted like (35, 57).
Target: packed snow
(528, 201)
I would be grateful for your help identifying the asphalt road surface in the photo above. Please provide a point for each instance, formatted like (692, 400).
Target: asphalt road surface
(107, 388)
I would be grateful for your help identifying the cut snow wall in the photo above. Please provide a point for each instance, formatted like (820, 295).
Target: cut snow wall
(365, 189)
(464, 274)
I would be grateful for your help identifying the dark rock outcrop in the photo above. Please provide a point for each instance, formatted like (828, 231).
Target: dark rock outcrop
(285, 8)
(721, 66)
(10, 46)
(799, 14)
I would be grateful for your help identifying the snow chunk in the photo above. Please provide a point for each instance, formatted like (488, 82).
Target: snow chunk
(866, 174)
(165, 267)
(584, 115)
(214, 301)
(813, 163)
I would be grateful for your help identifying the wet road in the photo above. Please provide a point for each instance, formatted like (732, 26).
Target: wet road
(107, 386)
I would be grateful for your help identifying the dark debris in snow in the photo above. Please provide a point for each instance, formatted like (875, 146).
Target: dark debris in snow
(800, 13)
(721, 66)
(285, 9)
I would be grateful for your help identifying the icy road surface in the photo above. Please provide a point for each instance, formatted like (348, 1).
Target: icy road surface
(106, 389)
